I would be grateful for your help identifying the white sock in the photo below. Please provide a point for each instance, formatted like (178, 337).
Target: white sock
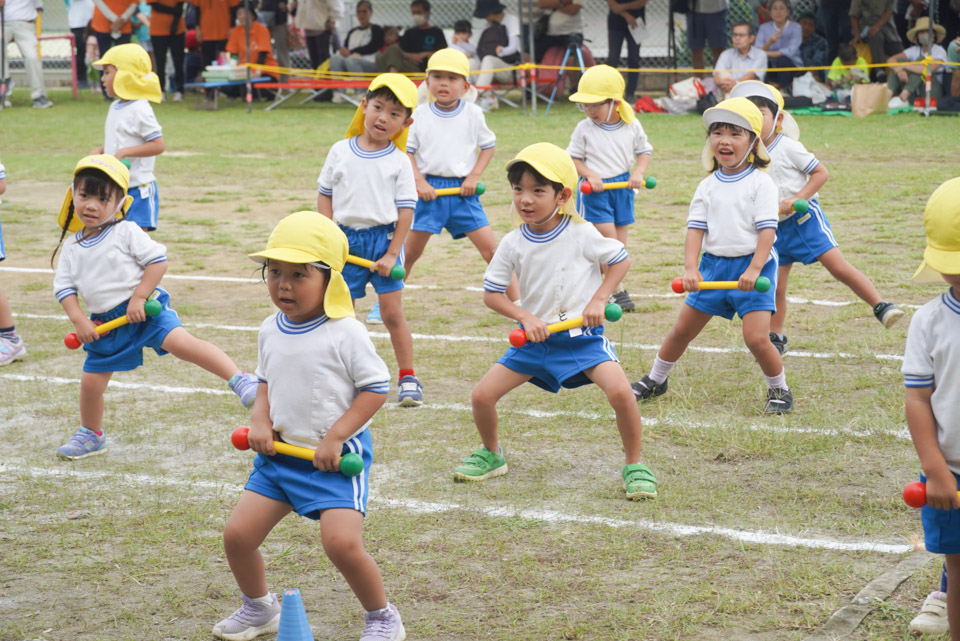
(777, 382)
(661, 369)
(266, 599)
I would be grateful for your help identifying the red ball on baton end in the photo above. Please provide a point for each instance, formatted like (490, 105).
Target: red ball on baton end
(915, 494)
(586, 187)
(239, 438)
(71, 341)
(677, 285)
(518, 337)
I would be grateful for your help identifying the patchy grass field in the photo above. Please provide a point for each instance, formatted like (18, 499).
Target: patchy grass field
(764, 526)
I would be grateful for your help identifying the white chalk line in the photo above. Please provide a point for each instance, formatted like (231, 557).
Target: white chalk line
(772, 427)
(228, 279)
(759, 537)
(490, 339)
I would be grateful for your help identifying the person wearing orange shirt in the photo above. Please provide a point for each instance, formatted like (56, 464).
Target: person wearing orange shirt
(167, 32)
(214, 26)
(260, 49)
(111, 24)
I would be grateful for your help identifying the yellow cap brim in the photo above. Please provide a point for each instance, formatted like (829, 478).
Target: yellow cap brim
(936, 262)
(460, 71)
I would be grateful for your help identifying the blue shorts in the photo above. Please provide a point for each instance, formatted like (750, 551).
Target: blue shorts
(145, 206)
(941, 528)
(457, 214)
(703, 27)
(306, 489)
(371, 244)
(561, 359)
(727, 302)
(121, 349)
(608, 206)
(803, 238)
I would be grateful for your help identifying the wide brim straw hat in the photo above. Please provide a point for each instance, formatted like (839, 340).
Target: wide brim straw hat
(600, 83)
(748, 88)
(135, 79)
(923, 24)
(941, 219)
(554, 164)
(309, 237)
(115, 171)
(405, 92)
(487, 7)
(734, 111)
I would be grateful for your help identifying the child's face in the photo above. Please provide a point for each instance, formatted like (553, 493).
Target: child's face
(296, 290)
(954, 281)
(461, 36)
(92, 209)
(730, 146)
(769, 122)
(390, 36)
(537, 203)
(109, 73)
(384, 118)
(602, 112)
(446, 86)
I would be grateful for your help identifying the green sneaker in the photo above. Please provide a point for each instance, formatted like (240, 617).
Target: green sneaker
(481, 464)
(639, 482)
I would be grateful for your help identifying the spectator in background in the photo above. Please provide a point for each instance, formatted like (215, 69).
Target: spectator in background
(814, 49)
(79, 15)
(781, 38)
(313, 16)
(707, 22)
(621, 19)
(833, 17)
(111, 25)
(906, 83)
(193, 59)
(20, 26)
(462, 32)
(140, 22)
(360, 47)
(418, 43)
(872, 22)
(391, 36)
(167, 32)
(497, 48)
(565, 20)
(743, 55)
(953, 55)
(275, 18)
(213, 26)
(841, 78)
(261, 51)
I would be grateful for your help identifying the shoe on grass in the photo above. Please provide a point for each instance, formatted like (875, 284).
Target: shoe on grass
(83, 443)
(411, 392)
(481, 465)
(932, 618)
(780, 342)
(622, 298)
(639, 482)
(11, 351)
(779, 401)
(887, 313)
(245, 385)
(383, 625)
(252, 619)
(42, 103)
(646, 388)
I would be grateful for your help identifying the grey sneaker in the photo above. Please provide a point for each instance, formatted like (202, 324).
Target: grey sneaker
(42, 103)
(411, 392)
(11, 350)
(779, 401)
(481, 464)
(245, 385)
(250, 621)
(646, 388)
(887, 313)
(383, 625)
(82, 444)
(622, 298)
(780, 342)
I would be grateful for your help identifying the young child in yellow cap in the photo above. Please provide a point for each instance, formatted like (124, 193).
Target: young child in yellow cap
(543, 178)
(443, 143)
(931, 374)
(609, 145)
(132, 132)
(12, 346)
(367, 187)
(733, 220)
(115, 267)
(321, 382)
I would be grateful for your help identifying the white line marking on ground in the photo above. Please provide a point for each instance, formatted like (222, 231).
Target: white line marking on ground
(900, 433)
(759, 537)
(490, 339)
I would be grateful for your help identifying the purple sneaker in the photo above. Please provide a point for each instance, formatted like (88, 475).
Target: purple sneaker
(250, 621)
(383, 625)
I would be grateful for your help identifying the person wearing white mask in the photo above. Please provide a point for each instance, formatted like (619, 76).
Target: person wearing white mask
(906, 83)
(416, 45)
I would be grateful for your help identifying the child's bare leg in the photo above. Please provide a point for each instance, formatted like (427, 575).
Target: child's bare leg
(486, 244)
(391, 311)
(688, 326)
(850, 276)
(6, 314)
(610, 378)
(622, 234)
(413, 248)
(92, 387)
(952, 562)
(252, 519)
(756, 335)
(342, 537)
(187, 347)
(779, 318)
(491, 388)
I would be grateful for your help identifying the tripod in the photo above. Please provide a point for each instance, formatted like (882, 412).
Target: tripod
(573, 44)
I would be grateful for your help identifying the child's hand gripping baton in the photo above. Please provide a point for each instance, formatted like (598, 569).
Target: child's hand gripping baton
(762, 284)
(455, 191)
(586, 188)
(915, 494)
(151, 307)
(397, 272)
(351, 464)
(612, 312)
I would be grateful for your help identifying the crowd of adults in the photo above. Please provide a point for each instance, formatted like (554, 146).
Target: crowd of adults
(769, 46)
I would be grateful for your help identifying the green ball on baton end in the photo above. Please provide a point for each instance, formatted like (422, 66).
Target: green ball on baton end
(351, 464)
(481, 188)
(612, 312)
(152, 307)
(649, 182)
(762, 284)
(397, 272)
(801, 206)
(125, 163)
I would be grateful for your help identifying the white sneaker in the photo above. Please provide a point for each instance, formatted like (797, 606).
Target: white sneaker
(897, 103)
(11, 351)
(177, 96)
(932, 618)
(338, 98)
(488, 102)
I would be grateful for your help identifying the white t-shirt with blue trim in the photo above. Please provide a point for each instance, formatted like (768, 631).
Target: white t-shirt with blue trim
(558, 271)
(106, 269)
(790, 167)
(609, 150)
(445, 142)
(732, 209)
(932, 359)
(131, 123)
(314, 371)
(367, 187)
